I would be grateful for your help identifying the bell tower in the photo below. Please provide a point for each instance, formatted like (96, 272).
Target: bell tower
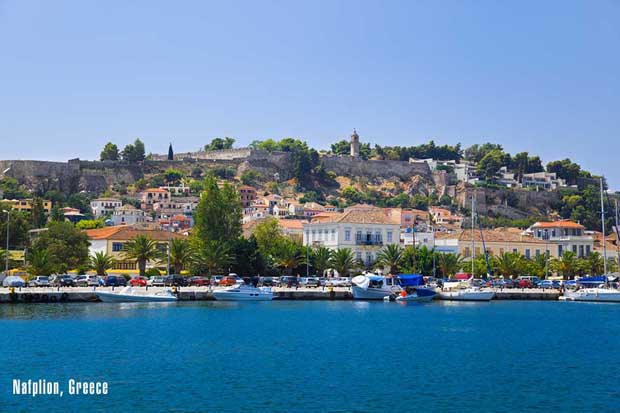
(355, 144)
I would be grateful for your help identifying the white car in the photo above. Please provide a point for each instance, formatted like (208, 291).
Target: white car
(40, 281)
(157, 281)
(338, 282)
(87, 281)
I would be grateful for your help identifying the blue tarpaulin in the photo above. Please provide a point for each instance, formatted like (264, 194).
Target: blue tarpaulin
(599, 279)
(411, 280)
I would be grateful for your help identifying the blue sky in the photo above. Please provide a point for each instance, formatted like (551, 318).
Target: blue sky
(542, 77)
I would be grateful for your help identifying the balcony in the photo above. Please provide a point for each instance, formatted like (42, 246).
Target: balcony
(364, 241)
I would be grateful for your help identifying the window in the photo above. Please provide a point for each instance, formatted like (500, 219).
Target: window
(575, 249)
(359, 255)
(389, 236)
(467, 252)
(333, 235)
(527, 253)
(537, 253)
(358, 236)
(560, 250)
(347, 235)
(587, 250)
(581, 250)
(117, 246)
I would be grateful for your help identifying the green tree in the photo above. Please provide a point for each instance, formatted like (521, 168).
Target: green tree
(219, 213)
(209, 257)
(566, 265)
(594, 263)
(66, 245)
(320, 258)
(247, 258)
(343, 261)
(565, 169)
(89, 224)
(219, 144)
(249, 177)
(101, 262)
(289, 255)
(510, 264)
(173, 176)
(490, 164)
(37, 213)
(180, 254)
(449, 264)
(134, 152)
(109, 152)
(40, 262)
(143, 250)
(13, 189)
(391, 256)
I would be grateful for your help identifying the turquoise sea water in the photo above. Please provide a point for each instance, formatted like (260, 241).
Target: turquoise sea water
(316, 356)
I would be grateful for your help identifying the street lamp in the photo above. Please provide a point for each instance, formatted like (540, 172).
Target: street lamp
(8, 225)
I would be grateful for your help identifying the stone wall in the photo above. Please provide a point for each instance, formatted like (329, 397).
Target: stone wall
(349, 166)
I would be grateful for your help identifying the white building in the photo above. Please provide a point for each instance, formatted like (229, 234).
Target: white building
(564, 235)
(422, 239)
(128, 215)
(104, 206)
(542, 180)
(365, 232)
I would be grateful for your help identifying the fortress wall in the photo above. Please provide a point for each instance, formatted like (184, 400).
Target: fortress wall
(348, 166)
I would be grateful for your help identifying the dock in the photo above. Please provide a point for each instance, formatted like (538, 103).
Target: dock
(88, 294)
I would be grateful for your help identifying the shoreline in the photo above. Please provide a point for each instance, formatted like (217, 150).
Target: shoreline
(27, 295)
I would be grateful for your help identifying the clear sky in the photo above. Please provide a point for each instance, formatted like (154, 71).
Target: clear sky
(537, 76)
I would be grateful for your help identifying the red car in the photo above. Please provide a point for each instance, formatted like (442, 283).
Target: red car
(230, 280)
(198, 281)
(524, 283)
(138, 281)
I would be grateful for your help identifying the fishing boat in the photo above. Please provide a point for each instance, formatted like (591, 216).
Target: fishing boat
(606, 291)
(243, 292)
(130, 295)
(463, 289)
(374, 287)
(414, 289)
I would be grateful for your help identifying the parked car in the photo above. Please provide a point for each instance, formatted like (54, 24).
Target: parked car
(157, 281)
(115, 281)
(13, 281)
(288, 282)
(138, 281)
(338, 282)
(230, 279)
(311, 282)
(198, 281)
(40, 281)
(175, 280)
(525, 283)
(62, 280)
(87, 281)
(267, 282)
(323, 281)
(215, 280)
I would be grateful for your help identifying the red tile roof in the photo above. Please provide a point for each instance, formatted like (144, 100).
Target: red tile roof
(564, 223)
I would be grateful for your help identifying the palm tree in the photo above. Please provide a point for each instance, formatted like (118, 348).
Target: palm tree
(593, 263)
(449, 264)
(320, 257)
(289, 255)
(391, 256)
(343, 261)
(537, 266)
(40, 262)
(180, 254)
(566, 265)
(413, 258)
(209, 257)
(142, 249)
(101, 262)
(510, 264)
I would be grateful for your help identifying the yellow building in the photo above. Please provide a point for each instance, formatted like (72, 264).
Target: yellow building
(26, 204)
(112, 240)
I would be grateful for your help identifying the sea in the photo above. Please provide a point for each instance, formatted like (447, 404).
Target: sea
(314, 356)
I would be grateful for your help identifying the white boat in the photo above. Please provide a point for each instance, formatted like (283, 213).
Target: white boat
(130, 295)
(466, 294)
(595, 295)
(243, 292)
(373, 287)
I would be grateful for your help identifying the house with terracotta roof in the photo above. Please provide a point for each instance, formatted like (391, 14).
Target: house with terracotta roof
(497, 242)
(444, 219)
(313, 208)
(111, 241)
(365, 231)
(176, 223)
(25, 205)
(247, 195)
(564, 235)
(104, 206)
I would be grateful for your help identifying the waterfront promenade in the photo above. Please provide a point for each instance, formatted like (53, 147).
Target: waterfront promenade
(87, 294)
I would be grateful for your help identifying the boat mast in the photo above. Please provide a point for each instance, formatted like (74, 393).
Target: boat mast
(617, 237)
(473, 228)
(603, 230)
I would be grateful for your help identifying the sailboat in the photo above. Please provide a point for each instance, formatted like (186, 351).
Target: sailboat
(605, 292)
(465, 290)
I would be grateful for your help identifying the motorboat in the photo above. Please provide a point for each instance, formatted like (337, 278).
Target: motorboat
(374, 287)
(466, 294)
(603, 293)
(130, 295)
(414, 289)
(243, 292)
